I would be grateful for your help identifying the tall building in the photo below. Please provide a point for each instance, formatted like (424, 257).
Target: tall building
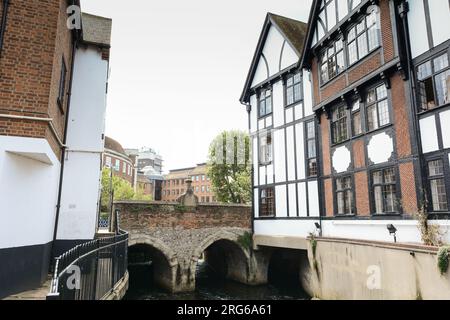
(52, 107)
(174, 184)
(375, 77)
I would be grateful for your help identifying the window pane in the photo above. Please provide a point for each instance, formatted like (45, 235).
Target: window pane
(290, 81)
(356, 123)
(262, 107)
(424, 71)
(290, 95)
(390, 198)
(439, 195)
(383, 112)
(371, 96)
(312, 167)
(297, 78)
(389, 176)
(351, 35)
(352, 53)
(372, 118)
(348, 202)
(310, 130)
(435, 168)
(268, 105)
(381, 92)
(297, 92)
(311, 149)
(341, 203)
(339, 45)
(443, 87)
(362, 45)
(324, 72)
(377, 177)
(378, 197)
(440, 62)
(340, 62)
(426, 94)
(360, 27)
(342, 9)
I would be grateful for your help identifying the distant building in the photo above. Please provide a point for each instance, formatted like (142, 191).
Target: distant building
(116, 158)
(174, 184)
(149, 158)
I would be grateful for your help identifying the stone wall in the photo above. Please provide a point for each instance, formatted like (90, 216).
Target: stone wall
(346, 269)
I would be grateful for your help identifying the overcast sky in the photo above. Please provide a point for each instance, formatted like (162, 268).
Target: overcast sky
(178, 69)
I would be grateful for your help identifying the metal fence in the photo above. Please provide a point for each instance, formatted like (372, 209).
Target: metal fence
(90, 271)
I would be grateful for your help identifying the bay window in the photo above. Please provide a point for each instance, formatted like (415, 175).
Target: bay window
(332, 61)
(363, 38)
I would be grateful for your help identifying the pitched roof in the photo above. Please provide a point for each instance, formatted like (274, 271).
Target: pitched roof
(293, 31)
(96, 29)
(315, 8)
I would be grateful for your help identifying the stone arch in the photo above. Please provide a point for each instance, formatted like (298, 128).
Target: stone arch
(165, 261)
(236, 255)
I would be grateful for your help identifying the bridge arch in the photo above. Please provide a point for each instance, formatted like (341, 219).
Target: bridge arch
(164, 259)
(228, 257)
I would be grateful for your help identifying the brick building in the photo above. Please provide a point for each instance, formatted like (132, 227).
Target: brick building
(115, 158)
(49, 132)
(174, 184)
(368, 129)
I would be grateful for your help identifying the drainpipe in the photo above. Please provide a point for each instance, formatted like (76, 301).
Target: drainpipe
(249, 109)
(3, 26)
(64, 148)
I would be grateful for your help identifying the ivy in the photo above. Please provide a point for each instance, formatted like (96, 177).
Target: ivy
(443, 259)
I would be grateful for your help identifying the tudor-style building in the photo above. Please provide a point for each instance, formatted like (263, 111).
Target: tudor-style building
(284, 133)
(376, 77)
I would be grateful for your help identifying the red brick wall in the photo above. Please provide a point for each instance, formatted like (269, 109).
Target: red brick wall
(35, 39)
(162, 215)
(362, 194)
(400, 116)
(359, 159)
(407, 181)
(329, 205)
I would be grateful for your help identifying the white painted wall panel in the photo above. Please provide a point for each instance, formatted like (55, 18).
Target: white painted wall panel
(272, 50)
(269, 171)
(288, 57)
(28, 191)
(262, 124)
(307, 93)
(261, 72)
(80, 196)
(440, 20)
(302, 203)
(417, 27)
(278, 104)
(88, 101)
(290, 153)
(255, 161)
(380, 148)
(288, 228)
(289, 115)
(313, 199)
(445, 126)
(298, 111)
(428, 134)
(300, 151)
(262, 176)
(279, 156)
(281, 201)
(256, 202)
(254, 114)
(292, 192)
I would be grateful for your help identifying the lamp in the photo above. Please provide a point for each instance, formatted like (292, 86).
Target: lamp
(318, 228)
(392, 231)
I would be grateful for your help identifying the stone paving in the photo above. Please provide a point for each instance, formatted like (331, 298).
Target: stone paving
(35, 294)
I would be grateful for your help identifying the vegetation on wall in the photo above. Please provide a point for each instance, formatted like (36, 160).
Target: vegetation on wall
(443, 259)
(229, 167)
(122, 190)
(431, 234)
(246, 240)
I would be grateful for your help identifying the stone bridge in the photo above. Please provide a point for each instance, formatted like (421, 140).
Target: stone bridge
(175, 237)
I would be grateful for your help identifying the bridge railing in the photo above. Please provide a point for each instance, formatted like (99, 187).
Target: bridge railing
(90, 271)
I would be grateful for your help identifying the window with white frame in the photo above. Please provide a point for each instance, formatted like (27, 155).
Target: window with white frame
(124, 168)
(434, 82)
(117, 165)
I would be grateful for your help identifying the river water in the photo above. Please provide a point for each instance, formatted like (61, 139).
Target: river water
(211, 287)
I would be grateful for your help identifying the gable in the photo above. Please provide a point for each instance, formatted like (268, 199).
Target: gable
(277, 54)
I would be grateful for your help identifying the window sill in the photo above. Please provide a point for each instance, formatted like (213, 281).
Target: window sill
(386, 215)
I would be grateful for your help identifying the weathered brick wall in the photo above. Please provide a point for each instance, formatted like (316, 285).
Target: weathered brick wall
(36, 39)
(139, 215)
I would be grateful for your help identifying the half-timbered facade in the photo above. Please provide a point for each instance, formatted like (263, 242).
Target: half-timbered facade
(283, 131)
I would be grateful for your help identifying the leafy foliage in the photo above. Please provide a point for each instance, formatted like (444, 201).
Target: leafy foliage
(443, 259)
(229, 167)
(122, 189)
(246, 240)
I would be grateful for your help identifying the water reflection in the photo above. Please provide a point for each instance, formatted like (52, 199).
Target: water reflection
(210, 287)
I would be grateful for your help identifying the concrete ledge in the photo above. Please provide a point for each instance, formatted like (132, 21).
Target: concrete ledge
(119, 290)
(280, 242)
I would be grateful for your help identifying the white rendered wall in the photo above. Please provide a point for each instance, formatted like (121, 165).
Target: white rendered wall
(285, 227)
(440, 20)
(417, 27)
(445, 127)
(29, 175)
(81, 184)
(428, 134)
(278, 104)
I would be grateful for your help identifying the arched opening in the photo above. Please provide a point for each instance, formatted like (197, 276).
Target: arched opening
(149, 269)
(285, 272)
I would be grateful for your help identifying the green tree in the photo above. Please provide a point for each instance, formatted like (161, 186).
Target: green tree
(229, 167)
(122, 189)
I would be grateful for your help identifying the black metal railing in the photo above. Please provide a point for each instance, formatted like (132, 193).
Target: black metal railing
(90, 271)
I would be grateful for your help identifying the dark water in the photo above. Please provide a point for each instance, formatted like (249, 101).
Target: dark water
(211, 287)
